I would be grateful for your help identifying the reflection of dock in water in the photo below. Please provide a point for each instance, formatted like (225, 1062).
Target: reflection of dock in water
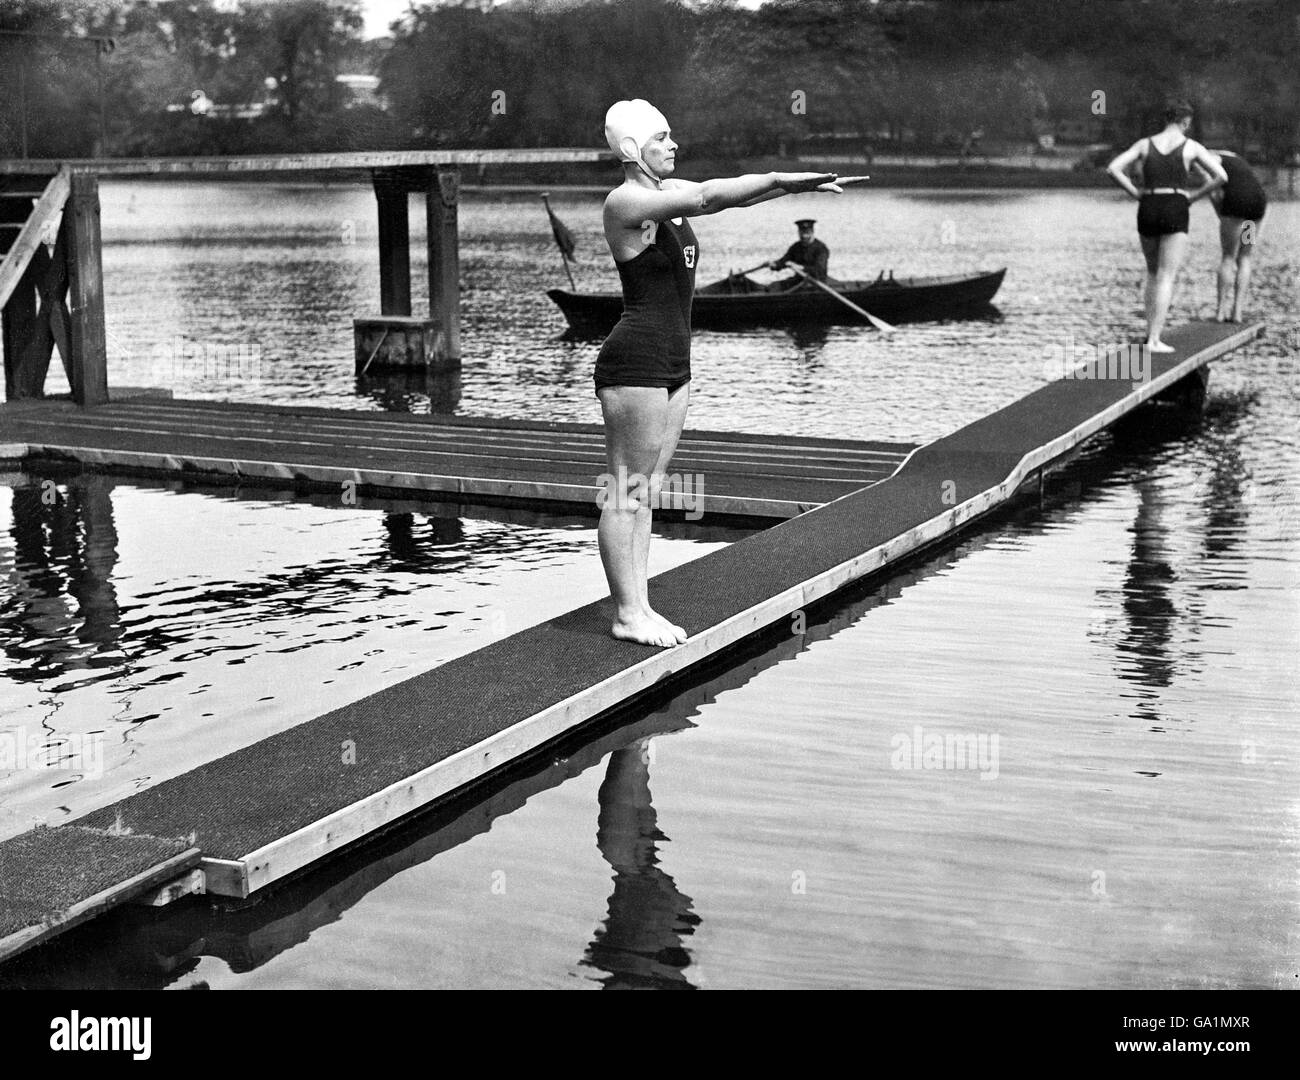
(520, 694)
(60, 606)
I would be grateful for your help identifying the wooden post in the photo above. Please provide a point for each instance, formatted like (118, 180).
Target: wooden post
(88, 362)
(19, 327)
(441, 205)
(394, 244)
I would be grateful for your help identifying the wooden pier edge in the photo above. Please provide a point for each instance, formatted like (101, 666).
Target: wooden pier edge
(299, 849)
(158, 875)
(327, 477)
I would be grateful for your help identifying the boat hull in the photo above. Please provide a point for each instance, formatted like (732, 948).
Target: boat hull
(715, 307)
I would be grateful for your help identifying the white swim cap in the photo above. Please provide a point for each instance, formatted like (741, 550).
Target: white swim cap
(629, 125)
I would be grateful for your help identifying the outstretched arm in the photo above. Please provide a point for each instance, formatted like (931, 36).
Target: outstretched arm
(1120, 166)
(776, 194)
(632, 204)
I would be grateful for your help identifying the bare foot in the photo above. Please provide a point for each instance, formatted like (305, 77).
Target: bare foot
(643, 630)
(1236, 317)
(1220, 317)
(1160, 346)
(679, 634)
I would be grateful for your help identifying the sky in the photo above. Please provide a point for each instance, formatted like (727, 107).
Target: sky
(379, 13)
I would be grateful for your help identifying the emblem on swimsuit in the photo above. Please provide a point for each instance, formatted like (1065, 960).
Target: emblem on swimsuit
(688, 254)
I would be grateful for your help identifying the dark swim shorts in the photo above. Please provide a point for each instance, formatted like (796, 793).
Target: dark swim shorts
(1162, 215)
(1249, 206)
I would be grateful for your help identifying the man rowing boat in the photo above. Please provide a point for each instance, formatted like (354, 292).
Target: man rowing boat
(807, 251)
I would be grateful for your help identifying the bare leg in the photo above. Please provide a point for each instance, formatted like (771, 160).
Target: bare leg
(676, 419)
(1229, 243)
(1170, 259)
(1244, 262)
(635, 421)
(1151, 253)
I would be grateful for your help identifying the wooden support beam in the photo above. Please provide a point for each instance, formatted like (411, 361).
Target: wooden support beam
(88, 362)
(442, 199)
(357, 161)
(37, 226)
(17, 328)
(30, 336)
(394, 243)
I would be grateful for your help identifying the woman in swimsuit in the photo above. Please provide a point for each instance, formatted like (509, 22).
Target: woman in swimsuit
(643, 371)
(1163, 200)
(1240, 203)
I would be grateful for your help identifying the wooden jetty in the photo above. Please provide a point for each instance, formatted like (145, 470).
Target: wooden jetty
(275, 808)
(511, 462)
(34, 194)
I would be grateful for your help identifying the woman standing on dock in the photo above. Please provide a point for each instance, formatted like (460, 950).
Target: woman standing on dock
(1240, 203)
(643, 371)
(1162, 220)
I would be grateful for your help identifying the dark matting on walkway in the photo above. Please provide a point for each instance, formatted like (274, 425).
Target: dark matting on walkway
(46, 873)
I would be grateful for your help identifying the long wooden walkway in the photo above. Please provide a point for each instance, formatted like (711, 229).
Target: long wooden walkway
(759, 476)
(275, 808)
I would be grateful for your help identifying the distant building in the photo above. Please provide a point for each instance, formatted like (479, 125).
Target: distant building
(357, 90)
(362, 90)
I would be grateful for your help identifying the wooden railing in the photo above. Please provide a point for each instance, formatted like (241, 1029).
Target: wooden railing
(52, 300)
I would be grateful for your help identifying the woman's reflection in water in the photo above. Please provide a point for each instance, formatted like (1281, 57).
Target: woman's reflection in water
(1147, 646)
(640, 943)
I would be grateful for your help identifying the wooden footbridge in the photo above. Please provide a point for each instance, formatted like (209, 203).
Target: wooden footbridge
(55, 297)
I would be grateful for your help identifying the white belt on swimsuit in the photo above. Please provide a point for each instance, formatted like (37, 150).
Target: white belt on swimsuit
(1165, 191)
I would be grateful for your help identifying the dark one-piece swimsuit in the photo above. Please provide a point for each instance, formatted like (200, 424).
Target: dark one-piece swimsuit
(1166, 213)
(1243, 195)
(651, 345)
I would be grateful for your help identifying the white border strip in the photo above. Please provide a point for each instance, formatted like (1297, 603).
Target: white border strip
(185, 466)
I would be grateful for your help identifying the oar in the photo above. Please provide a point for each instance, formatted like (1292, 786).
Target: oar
(879, 324)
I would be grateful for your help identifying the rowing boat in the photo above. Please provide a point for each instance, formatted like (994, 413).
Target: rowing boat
(739, 301)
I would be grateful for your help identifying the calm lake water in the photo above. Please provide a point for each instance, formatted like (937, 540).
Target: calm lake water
(1122, 662)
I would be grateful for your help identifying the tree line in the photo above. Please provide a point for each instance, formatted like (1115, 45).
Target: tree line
(735, 82)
